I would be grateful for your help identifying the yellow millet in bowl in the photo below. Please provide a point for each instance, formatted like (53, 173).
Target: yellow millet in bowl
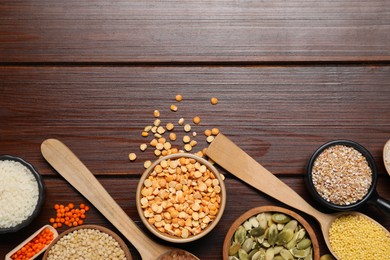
(357, 237)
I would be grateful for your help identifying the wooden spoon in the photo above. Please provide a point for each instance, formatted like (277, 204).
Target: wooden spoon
(386, 156)
(77, 174)
(228, 155)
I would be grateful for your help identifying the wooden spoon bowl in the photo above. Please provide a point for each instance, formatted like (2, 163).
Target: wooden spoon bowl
(255, 211)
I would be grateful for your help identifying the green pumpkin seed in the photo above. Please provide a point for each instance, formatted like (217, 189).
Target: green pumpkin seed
(269, 254)
(240, 235)
(252, 253)
(260, 255)
(292, 243)
(272, 234)
(286, 254)
(309, 256)
(265, 244)
(233, 250)
(242, 255)
(292, 224)
(304, 243)
(247, 225)
(254, 222)
(284, 237)
(301, 234)
(277, 249)
(260, 239)
(300, 253)
(248, 245)
(257, 231)
(280, 218)
(278, 257)
(262, 218)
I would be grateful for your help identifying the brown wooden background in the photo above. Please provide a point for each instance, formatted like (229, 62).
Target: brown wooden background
(290, 75)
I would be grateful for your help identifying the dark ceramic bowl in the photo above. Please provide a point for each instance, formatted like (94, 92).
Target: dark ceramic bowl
(371, 196)
(41, 191)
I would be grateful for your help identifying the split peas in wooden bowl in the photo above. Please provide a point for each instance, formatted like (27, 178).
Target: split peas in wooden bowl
(181, 197)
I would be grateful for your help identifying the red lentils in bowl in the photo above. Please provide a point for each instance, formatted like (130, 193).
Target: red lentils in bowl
(341, 175)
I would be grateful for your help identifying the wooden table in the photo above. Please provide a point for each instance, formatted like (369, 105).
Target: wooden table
(289, 76)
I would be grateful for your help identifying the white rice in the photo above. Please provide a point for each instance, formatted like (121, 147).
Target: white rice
(18, 193)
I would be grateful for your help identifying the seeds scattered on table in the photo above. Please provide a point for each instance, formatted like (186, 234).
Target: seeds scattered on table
(214, 100)
(187, 128)
(357, 237)
(156, 113)
(341, 175)
(196, 120)
(143, 147)
(179, 98)
(158, 131)
(180, 197)
(132, 156)
(86, 243)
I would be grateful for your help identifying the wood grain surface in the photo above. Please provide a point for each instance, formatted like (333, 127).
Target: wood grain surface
(194, 31)
(289, 76)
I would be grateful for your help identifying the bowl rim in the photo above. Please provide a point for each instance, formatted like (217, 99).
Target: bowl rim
(309, 181)
(41, 192)
(204, 232)
(114, 235)
(269, 208)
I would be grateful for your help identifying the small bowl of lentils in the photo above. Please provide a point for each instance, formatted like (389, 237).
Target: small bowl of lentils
(341, 175)
(270, 232)
(88, 242)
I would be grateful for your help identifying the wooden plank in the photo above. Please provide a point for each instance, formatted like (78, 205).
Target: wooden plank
(278, 115)
(194, 31)
(209, 247)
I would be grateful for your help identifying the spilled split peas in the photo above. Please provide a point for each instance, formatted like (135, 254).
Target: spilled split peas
(158, 131)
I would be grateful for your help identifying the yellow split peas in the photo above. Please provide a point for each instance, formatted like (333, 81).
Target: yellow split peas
(181, 197)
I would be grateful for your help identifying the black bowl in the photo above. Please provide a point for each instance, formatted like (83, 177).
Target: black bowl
(41, 192)
(371, 163)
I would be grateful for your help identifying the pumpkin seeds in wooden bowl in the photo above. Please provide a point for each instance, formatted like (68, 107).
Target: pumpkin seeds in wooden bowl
(270, 232)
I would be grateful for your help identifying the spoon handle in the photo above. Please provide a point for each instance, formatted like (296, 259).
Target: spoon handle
(227, 154)
(78, 175)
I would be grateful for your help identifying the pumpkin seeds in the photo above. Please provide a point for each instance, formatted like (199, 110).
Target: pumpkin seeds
(270, 236)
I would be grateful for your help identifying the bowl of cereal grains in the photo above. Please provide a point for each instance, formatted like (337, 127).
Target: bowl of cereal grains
(342, 175)
(88, 242)
(270, 232)
(21, 193)
(180, 197)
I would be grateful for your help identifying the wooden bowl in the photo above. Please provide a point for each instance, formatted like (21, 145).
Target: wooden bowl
(166, 236)
(274, 209)
(121, 243)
